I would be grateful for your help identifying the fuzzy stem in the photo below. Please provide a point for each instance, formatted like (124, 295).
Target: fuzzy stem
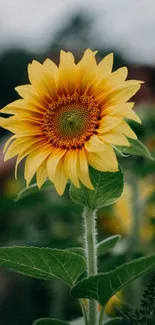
(101, 316)
(84, 312)
(91, 256)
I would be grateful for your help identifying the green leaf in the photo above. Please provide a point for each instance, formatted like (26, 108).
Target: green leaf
(136, 148)
(112, 321)
(32, 189)
(77, 250)
(108, 187)
(103, 286)
(49, 321)
(43, 263)
(78, 321)
(105, 245)
(119, 153)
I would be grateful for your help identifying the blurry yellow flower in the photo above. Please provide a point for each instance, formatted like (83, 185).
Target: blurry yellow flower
(12, 187)
(69, 117)
(123, 210)
(120, 219)
(147, 187)
(151, 210)
(113, 303)
(147, 232)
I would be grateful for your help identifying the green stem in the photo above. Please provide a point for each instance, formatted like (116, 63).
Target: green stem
(84, 312)
(91, 256)
(101, 316)
(135, 238)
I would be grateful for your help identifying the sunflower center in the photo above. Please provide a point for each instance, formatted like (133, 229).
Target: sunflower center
(71, 121)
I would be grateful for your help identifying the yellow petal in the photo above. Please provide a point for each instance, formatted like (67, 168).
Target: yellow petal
(44, 78)
(125, 129)
(67, 72)
(22, 113)
(41, 174)
(83, 171)
(117, 110)
(53, 161)
(112, 95)
(29, 93)
(34, 131)
(37, 78)
(104, 67)
(52, 70)
(34, 160)
(130, 114)
(115, 138)
(70, 166)
(112, 81)
(8, 142)
(32, 147)
(94, 144)
(118, 76)
(22, 105)
(107, 123)
(60, 179)
(18, 146)
(123, 94)
(18, 125)
(104, 160)
(86, 71)
(121, 110)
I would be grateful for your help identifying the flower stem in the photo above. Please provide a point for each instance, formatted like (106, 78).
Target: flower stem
(91, 256)
(84, 312)
(101, 316)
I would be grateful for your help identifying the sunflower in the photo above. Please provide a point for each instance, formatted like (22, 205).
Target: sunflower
(70, 117)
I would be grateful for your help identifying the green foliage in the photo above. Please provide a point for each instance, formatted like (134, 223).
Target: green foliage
(136, 148)
(107, 244)
(103, 247)
(49, 321)
(120, 153)
(143, 315)
(78, 321)
(108, 187)
(43, 263)
(112, 321)
(103, 286)
(77, 250)
(32, 189)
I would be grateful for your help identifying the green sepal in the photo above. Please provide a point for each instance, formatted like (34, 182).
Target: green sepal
(108, 188)
(136, 148)
(32, 189)
(107, 244)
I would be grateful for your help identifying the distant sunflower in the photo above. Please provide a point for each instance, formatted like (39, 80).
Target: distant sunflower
(70, 117)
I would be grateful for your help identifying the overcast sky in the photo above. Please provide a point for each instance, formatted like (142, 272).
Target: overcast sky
(127, 25)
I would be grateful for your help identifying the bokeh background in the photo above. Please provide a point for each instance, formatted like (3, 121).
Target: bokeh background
(37, 29)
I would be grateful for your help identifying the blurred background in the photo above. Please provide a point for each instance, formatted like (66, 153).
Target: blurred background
(37, 29)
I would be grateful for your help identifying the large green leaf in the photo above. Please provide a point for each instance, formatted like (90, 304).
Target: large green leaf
(77, 250)
(49, 321)
(43, 263)
(78, 321)
(105, 245)
(136, 148)
(112, 321)
(32, 189)
(108, 188)
(103, 286)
